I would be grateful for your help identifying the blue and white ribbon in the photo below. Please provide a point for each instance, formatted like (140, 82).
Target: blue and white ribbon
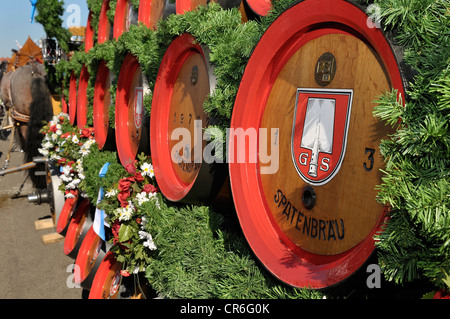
(99, 219)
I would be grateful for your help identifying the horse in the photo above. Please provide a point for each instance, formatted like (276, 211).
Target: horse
(30, 106)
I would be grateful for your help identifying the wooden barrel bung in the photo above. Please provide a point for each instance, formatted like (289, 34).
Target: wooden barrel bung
(310, 212)
(177, 121)
(131, 125)
(82, 99)
(107, 280)
(151, 11)
(89, 35)
(78, 228)
(73, 99)
(104, 134)
(124, 16)
(104, 32)
(90, 255)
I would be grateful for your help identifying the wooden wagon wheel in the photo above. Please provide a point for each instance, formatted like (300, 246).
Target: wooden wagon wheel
(82, 99)
(310, 213)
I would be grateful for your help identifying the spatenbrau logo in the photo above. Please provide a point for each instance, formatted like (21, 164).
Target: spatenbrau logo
(319, 133)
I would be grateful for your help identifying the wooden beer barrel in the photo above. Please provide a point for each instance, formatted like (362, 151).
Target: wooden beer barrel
(151, 11)
(124, 16)
(309, 211)
(104, 32)
(185, 78)
(78, 227)
(82, 99)
(89, 35)
(131, 125)
(104, 134)
(182, 6)
(92, 251)
(66, 213)
(107, 279)
(73, 99)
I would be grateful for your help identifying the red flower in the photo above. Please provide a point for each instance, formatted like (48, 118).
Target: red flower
(138, 177)
(86, 132)
(53, 128)
(131, 167)
(124, 273)
(122, 197)
(124, 184)
(138, 220)
(149, 188)
(115, 227)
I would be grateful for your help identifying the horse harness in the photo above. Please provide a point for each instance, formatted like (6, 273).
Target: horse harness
(20, 117)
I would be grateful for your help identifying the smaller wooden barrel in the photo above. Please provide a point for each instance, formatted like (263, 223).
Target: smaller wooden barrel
(73, 99)
(65, 215)
(104, 134)
(177, 121)
(90, 255)
(89, 35)
(82, 99)
(78, 227)
(151, 11)
(124, 16)
(107, 279)
(131, 125)
(104, 32)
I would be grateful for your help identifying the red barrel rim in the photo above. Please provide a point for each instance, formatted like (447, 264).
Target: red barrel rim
(107, 280)
(100, 117)
(183, 6)
(82, 100)
(150, 12)
(122, 17)
(283, 258)
(260, 7)
(127, 146)
(66, 214)
(87, 255)
(72, 98)
(77, 226)
(104, 27)
(178, 52)
(89, 36)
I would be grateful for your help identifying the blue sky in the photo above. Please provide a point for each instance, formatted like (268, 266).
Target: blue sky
(15, 22)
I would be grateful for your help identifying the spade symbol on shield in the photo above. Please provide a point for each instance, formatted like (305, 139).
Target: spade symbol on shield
(318, 130)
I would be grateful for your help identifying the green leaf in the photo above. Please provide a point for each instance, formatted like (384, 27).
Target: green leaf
(125, 233)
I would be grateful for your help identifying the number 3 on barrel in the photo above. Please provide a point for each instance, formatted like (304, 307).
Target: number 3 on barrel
(371, 151)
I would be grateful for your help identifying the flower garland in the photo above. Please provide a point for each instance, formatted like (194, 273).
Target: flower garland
(123, 205)
(66, 146)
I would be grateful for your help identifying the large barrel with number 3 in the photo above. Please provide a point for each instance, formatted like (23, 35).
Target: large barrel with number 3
(304, 189)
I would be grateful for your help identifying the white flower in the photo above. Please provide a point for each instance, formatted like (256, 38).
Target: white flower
(111, 193)
(84, 151)
(47, 145)
(58, 132)
(66, 169)
(43, 151)
(54, 137)
(69, 195)
(147, 169)
(75, 139)
(142, 198)
(149, 243)
(125, 213)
